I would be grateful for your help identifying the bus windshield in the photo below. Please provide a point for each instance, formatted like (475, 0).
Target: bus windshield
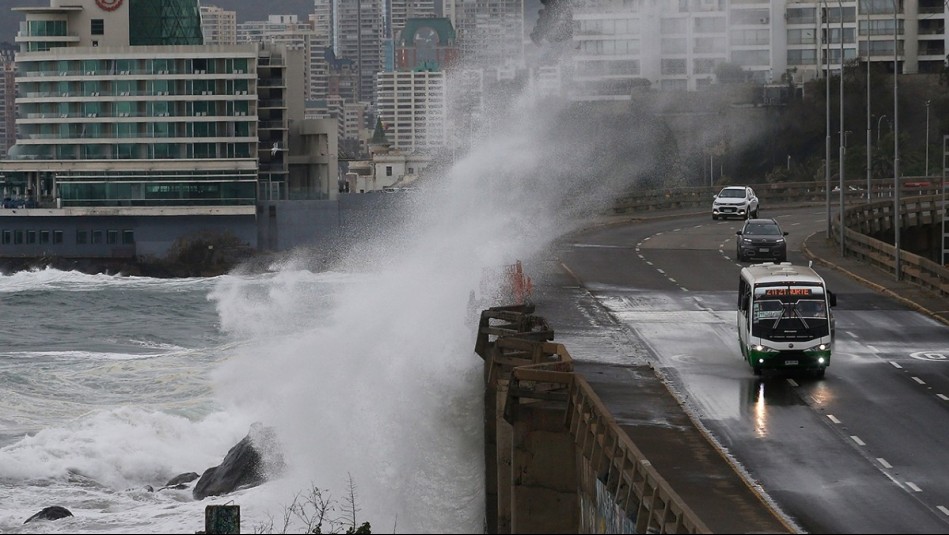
(790, 312)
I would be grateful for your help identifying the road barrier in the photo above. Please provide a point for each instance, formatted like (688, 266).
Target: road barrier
(531, 389)
(921, 203)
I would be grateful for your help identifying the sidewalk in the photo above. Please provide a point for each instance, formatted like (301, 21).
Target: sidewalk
(826, 252)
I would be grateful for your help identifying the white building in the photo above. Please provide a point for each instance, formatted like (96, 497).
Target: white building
(219, 26)
(412, 107)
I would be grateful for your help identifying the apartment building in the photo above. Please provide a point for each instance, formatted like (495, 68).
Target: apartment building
(678, 46)
(218, 26)
(126, 147)
(412, 100)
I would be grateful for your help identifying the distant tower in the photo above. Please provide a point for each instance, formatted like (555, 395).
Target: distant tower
(358, 35)
(219, 26)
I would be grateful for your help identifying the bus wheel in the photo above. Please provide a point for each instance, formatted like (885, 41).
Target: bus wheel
(757, 370)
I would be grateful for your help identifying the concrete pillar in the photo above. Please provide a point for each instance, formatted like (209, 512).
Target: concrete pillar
(545, 486)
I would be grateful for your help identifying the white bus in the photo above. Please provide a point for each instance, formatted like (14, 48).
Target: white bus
(784, 318)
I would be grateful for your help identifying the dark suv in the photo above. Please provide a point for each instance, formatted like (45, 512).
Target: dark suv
(761, 238)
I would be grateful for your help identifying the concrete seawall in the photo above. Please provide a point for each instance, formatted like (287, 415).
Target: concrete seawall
(561, 459)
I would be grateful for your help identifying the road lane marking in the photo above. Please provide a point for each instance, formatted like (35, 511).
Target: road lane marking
(918, 380)
(944, 510)
(856, 439)
(792, 382)
(913, 486)
(942, 397)
(883, 462)
(833, 418)
(897, 366)
(660, 271)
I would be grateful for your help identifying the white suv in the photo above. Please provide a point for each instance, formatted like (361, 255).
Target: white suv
(737, 201)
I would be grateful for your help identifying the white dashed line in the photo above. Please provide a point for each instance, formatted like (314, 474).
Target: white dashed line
(792, 382)
(913, 486)
(833, 418)
(672, 280)
(944, 510)
(648, 262)
(683, 289)
(918, 380)
(883, 462)
(641, 257)
(942, 397)
(897, 366)
(856, 439)
(661, 271)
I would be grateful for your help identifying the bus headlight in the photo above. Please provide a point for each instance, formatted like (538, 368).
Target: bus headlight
(820, 360)
(764, 349)
(819, 347)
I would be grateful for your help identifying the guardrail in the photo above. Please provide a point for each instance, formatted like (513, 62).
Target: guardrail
(517, 350)
(921, 202)
(875, 217)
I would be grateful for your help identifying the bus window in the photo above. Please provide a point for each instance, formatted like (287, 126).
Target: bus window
(808, 308)
(768, 309)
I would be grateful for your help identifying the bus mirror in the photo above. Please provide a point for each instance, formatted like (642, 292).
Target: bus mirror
(832, 297)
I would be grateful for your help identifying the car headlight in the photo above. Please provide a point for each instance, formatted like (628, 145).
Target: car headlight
(746, 240)
(780, 240)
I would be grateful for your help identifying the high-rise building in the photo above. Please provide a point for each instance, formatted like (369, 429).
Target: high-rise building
(490, 32)
(134, 134)
(288, 31)
(680, 46)
(358, 33)
(218, 25)
(412, 100)
(7, 101)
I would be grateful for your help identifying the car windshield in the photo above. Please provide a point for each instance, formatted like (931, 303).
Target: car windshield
(732, 193)
(762, 229)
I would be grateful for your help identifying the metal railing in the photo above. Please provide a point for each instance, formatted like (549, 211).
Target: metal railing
(922, 201)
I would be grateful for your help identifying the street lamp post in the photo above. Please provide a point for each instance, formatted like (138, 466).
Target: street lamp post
(843, 141)
(869, 123)
(879, 128)
(896, 143)
(827, 115)
(927, 138)
(789, 162)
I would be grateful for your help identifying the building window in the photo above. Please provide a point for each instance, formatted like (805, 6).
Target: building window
(128, 237)
(31, 236)
(96, 236)
(17, 237)
(82, 237)
(57, 237)
(7, 237)
(112, 237)
(44, 236)
(388, 170)
(98, 27)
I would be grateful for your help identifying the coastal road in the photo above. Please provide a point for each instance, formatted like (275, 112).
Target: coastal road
(863, 450)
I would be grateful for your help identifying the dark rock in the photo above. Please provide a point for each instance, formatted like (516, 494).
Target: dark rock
(179, 486)
(182, 478)
(249, 463)
(149, 488)
(54, 512)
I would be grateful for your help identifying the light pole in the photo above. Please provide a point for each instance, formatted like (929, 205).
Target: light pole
(843, 141)
(789, 162)
(896, 143)
(927, 138)
(827, 115)
(878, 127)
(869, 123)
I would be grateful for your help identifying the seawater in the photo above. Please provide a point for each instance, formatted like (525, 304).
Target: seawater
(364, 368)
(109, 384)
